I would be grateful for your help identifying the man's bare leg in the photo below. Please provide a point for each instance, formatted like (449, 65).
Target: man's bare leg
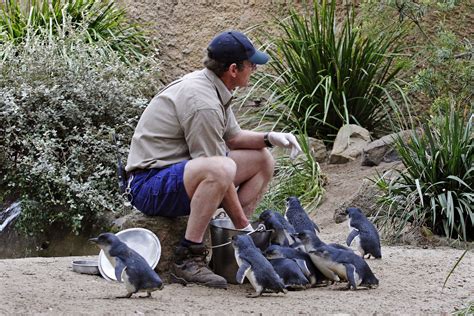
(206, 181)
(254, 172)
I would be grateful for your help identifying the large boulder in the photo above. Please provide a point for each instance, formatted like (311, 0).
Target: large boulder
(383, 149)
(365, 199)
(350, 141)
(169, 232)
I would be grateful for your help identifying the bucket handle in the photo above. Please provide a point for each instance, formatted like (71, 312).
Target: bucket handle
(221, 214)
(260, 228)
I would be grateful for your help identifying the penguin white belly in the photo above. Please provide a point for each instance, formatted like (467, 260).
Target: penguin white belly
(129, 286)
(357, 244)
(253, 280)
(324, 266)
(339, 269)
(357, 278)
(237, 257)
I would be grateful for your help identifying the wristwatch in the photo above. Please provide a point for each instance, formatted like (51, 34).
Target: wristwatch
(267, 142)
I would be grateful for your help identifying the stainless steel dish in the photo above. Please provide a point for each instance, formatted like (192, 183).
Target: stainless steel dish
(223, 258)
(85, 266)
(142, 240)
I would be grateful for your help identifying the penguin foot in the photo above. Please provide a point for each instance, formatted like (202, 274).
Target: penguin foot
(125, 296)
(146, 296)
(253, 295)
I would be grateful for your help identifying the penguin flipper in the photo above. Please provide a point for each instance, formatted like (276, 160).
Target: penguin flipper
(242, 272)
(304, 268)
(350, 272)
(316, 228)
(351, 236)
(119, 267)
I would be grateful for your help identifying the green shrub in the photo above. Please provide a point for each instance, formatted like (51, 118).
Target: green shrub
(436, 189)
(60, 98)
(438, 58)
(100, 20)
(323, 77)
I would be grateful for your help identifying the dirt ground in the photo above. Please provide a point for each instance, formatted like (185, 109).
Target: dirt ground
(411, 280)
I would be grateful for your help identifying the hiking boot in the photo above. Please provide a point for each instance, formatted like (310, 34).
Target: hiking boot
(190, 267)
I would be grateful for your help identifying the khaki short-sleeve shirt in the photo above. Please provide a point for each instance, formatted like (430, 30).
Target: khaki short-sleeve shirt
(190, 118)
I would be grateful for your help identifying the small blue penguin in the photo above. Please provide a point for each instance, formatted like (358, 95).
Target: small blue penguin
(254, 266)
(309, 238)
(346, 265)
(292, 273)
(130, 266)
(311, 242)
(282, 229)
(363, 233)
(315, 277)
(297, 216)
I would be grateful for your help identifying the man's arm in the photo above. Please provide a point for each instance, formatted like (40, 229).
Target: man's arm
(256, 140)
(246, 139)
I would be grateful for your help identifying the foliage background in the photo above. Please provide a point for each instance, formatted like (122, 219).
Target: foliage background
(60, 98)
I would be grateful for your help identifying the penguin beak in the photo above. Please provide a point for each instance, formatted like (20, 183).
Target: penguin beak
(94, 240)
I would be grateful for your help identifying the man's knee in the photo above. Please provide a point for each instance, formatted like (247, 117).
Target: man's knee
(217, 169)
(222, 169)
(267, 161)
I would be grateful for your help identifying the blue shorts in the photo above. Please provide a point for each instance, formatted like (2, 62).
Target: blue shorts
(161, 192)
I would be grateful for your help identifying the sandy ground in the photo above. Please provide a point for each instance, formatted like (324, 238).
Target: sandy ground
(411, 280)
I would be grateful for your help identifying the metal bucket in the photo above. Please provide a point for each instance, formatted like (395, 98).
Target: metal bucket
(223, 258)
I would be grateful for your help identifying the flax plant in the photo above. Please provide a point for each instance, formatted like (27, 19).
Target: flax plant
(437, 188)
(101, 20)
(327, 73)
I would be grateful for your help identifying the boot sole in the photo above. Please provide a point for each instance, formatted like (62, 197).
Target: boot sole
(175, 279)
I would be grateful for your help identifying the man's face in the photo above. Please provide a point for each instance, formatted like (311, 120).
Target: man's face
(243, 76)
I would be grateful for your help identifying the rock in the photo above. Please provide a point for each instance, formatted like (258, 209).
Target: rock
(318, 149)
(383, 149)
(169, 231)
(365, 198)
(350, 141)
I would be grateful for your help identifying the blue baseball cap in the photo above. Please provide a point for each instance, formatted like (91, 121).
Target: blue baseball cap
(232, 47)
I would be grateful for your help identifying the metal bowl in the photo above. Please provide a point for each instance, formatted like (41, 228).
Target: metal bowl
(85, 266)
(142, 240)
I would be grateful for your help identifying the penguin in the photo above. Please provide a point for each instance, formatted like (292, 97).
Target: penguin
(363, 233)
(315, 241)
(282, 229)
(253, 265)
(346, 265)
(311, 242)
(297, 216)
(130, 266)
(315, 277)
(292, 274)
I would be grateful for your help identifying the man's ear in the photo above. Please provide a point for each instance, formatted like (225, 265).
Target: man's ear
(233, 70)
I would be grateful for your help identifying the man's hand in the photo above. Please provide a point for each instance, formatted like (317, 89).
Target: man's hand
(285, 140)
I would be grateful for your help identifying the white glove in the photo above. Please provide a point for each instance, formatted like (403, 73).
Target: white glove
(285, 140)
(247, 228)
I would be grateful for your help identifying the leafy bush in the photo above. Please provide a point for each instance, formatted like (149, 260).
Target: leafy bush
(323, 78)
(438, 65)
(101, 20)
(60, 98)
(448, 71)
(436, 189)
